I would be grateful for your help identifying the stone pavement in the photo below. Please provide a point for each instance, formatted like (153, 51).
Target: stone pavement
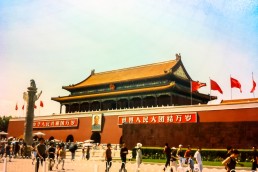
(25, 165)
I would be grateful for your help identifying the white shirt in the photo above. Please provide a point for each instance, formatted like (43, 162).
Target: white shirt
(198, 158)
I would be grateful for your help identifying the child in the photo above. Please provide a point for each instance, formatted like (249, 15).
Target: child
(33, 152)
(61, 158)
(191, 163)
(83, 152)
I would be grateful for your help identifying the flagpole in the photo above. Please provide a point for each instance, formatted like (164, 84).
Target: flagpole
(191, 92)
(23, 109)
(230, 87)
(253, 81)
(210, 88)
(16, 109)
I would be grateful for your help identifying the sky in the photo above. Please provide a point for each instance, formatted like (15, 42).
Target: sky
(58, 43)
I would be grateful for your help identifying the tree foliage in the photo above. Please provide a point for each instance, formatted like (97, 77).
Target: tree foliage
(4, 121)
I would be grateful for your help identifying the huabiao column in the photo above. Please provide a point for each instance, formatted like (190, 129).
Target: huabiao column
(30, 97)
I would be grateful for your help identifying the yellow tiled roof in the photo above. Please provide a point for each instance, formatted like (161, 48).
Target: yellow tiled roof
(114, 93)
(126, 74)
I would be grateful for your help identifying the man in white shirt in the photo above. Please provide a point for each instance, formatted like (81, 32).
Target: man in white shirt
(198, 158)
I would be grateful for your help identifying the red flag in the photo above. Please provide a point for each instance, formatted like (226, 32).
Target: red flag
(215, 86)
(41, 104)
(23, 107)
(254, 85)
(235, 83)
(196, 85)
(16, 107)
(35, 107)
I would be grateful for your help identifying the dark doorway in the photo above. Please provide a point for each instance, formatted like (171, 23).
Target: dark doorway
(51, 138)
(121, 140)
(35, 138)
(69, 138)
(96, 137)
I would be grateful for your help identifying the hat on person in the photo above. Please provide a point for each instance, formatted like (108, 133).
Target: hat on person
(138, 145)
(173, 148)
(180, 145)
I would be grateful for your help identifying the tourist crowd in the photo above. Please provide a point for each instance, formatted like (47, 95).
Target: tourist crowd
(55, 154)
(177, 158)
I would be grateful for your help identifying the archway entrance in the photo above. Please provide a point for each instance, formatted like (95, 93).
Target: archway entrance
(96, 137)
(69, 138)
(35, 138)
(51, 138)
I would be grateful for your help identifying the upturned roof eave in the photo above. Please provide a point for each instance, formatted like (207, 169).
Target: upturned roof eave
(197, 93)
(75, 86)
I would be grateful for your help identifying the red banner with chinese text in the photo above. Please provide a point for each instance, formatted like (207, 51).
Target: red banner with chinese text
(159, 118)
(72, 122)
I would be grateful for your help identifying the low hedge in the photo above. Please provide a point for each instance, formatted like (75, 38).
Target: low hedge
(207, 154)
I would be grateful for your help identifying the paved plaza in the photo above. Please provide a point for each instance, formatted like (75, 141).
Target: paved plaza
(25, 165)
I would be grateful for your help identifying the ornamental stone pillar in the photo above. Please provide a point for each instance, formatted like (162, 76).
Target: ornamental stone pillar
(30, 97)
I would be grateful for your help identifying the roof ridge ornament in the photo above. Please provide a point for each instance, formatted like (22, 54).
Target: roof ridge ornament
(92, 72)
(178, 56)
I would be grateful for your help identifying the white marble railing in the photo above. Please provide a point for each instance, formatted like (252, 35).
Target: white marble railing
(100, 154)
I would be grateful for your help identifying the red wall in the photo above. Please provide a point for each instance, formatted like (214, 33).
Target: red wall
(83, 132)
(111, 132)
(233, 115)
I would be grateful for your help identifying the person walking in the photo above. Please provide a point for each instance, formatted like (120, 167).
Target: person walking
(254, 159)
(230, 162)
(8, 151)
(51, 156)
(58, 147)
(198, 158)
(33, 152)
(174, 158)
(83, 152)
(88, 152)
(190, 163)
(123, 153)
(108, 157)
(61, 157)
(167, 151)
(41, 153)
(72, 148)
(180, 155)
(187, 154)
(138, 156)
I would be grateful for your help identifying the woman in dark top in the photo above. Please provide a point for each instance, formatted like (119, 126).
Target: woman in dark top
(108, 157)
(123, 153)
(167, 151)
(230, 162)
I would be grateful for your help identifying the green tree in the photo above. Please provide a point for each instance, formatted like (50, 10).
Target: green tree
(4, 121)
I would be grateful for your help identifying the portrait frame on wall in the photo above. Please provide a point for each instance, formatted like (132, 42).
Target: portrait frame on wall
(96, 122)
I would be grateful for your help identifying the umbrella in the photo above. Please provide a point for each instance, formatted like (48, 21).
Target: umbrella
(88, 141)
(39, 134)
(11, 137)
(56, 140)
(3, 133)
